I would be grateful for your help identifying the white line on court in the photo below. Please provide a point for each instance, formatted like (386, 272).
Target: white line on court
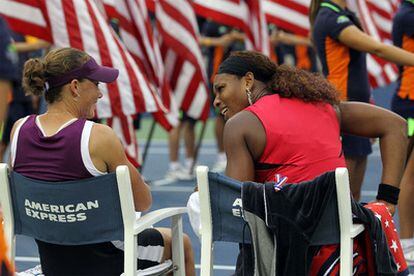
(37, 260)
(27, 259)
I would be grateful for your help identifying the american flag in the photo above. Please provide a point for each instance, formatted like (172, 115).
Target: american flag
(376, 17)
(79, 24)
(178, 33)
(124, 126)
(246, 15)
(136, 32)
(290, 15)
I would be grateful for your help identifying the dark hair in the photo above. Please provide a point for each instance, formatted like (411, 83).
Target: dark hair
(57, 62)
(291, 82)
(313, 11)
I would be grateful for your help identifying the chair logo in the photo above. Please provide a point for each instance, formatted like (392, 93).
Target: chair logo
(237, 207)
(59, 213)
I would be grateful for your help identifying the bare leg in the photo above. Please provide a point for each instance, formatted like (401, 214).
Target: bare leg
(174, 143)
(405, 202)
(189, 139)
(356, 167)
(188, 250)
(2, 152)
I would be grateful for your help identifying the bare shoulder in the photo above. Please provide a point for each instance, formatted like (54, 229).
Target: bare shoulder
(103, 137)
(102, 132)
(16, 124)
(243, 122)
(247, 128)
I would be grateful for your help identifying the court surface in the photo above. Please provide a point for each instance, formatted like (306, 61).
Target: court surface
(171, 194)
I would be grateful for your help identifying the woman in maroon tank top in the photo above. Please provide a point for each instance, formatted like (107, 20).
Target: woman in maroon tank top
(62, 145)
(258, 100)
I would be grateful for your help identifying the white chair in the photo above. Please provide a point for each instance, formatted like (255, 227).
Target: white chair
(13, 186)
(348, 230)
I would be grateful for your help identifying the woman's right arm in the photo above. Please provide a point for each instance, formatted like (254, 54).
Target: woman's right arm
(356, 39)
(105, 146)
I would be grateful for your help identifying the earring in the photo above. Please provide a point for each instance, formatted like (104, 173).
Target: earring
(249, 96)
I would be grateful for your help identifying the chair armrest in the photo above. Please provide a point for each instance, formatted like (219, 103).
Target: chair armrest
(153, 217)
(356, 229)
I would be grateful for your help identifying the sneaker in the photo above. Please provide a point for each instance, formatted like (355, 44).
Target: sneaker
(178, 174)
(219, 166)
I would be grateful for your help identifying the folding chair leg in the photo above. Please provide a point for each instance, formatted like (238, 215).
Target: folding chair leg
(206, 255)
(131, 255)
(178, 245)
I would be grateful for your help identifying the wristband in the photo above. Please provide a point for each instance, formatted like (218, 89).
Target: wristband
(388, 193)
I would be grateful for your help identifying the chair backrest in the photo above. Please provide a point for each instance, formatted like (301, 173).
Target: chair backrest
(226, 209)
(221, 209)
(220, 212)
(348, 230)
(66, 213)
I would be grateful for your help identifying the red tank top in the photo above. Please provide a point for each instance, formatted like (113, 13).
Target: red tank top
(302, 139)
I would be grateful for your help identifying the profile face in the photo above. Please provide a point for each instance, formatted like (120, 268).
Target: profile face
(230, 94)
(89, 96)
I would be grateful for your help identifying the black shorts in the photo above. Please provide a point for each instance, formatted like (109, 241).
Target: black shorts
(99, 259)
(150, 248)
(185, 118)
(356, 146)
(404, 108)
(16, 111)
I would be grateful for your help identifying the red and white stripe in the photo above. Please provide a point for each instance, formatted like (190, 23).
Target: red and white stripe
(79, 24)
(246, 15)
(376, 17)
(178, 33)
(136, 32)
(124, 127)
(290, 15)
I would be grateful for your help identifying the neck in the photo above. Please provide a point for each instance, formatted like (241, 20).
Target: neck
(341, 3)
(62, 110)
(262, 92)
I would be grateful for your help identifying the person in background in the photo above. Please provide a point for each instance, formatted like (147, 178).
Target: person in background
(19, 104)
(218, 41)
(186, 127)
(63, 145)
(403, 104)
(342, 46)
(6, 268)
(8, 70)
(8, 75)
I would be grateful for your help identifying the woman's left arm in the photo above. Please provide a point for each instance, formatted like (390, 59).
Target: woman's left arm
(368, 120)
(371, 121)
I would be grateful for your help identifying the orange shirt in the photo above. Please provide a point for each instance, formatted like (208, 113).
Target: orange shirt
(403, 37)
(5, 265)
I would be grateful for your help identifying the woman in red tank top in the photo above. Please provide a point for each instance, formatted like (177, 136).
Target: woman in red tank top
(283, 121)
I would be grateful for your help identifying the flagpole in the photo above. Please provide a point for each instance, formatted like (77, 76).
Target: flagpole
(147, 144)
(198, 146)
